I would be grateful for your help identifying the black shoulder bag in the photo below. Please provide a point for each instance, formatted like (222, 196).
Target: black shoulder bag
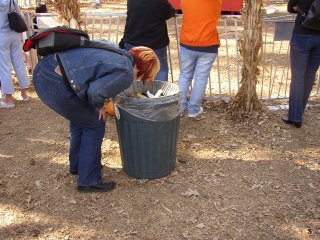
(16, 21)
(312, 18)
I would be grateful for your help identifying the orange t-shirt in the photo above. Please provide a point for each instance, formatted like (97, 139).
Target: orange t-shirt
(199, 22)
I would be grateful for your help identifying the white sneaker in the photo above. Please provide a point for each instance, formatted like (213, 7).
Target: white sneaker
(193, 115)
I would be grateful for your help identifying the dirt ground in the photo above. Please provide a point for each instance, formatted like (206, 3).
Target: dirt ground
(250, 179)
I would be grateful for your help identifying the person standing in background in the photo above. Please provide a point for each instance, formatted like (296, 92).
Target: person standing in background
(146, 26)
(11, 54)
(199, 43)
(41, 8)
(305, 61)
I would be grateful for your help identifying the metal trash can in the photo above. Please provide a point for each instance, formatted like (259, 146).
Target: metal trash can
(148, 130)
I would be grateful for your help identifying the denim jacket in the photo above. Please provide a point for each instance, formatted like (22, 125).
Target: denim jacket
(97, 74)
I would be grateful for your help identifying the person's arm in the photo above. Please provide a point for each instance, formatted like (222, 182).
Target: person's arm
(292, 4)
(168, 10)
(108, 86)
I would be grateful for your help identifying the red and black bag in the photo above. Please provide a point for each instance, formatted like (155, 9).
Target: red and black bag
(57, 39)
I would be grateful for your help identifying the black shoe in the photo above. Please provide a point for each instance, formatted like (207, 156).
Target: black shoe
(100, 187)
(296, 124)
(76, 172)
(73, 172)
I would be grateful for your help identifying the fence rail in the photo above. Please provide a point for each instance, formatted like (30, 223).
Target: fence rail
(225, 76)
(26, 3)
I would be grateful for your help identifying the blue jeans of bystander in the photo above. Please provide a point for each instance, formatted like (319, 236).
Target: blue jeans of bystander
(197, 65)
(305, 61)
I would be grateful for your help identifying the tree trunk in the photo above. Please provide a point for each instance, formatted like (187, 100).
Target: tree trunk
(69, 11)
(246, 100)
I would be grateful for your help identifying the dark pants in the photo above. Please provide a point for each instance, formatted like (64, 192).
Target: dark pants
(305, 61)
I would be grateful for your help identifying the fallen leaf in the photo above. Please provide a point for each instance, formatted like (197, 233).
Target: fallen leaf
(28, 200)
(311, 185)
(191, 136)
(38, 183)
(35, 232)
(200, 225)
(190, 193)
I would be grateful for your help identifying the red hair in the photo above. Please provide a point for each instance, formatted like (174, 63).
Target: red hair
(146, 62)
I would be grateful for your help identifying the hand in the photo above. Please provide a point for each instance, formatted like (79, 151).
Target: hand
(109, 108)
(102, 114)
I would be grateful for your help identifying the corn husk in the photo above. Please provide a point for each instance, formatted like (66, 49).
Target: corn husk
(69, 11)
(246, 100)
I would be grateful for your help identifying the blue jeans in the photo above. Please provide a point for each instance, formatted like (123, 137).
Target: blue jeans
(86, 131)
(198, 65)
(305, 61)
(163, 59)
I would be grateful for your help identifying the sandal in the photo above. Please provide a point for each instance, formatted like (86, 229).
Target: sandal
(6, 105)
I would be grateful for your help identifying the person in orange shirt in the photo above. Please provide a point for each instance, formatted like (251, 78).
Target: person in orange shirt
(199, 43)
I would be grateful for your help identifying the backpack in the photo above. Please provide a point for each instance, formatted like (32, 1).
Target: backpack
(57, 39)
(312, 18)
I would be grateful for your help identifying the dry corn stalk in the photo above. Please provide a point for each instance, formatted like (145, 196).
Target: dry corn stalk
(246, 100)
(69, 11)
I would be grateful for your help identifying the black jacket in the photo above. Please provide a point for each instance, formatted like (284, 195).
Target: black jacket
(146, 23)
(304, 5)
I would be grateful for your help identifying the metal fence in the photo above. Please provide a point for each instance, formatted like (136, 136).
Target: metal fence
(26, 3)
(225, 76)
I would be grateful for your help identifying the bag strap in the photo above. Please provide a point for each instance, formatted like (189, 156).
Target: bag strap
(14, 4)
(93, 44)
(303, 14)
